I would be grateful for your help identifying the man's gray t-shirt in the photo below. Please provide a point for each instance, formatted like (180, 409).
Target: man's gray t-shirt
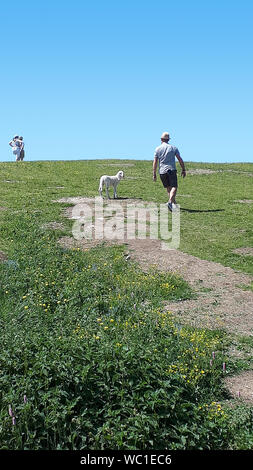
(166, 155)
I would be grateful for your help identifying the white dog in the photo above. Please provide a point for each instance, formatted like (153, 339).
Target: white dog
(108, 181)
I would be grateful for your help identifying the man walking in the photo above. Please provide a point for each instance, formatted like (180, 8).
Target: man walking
(166, 154)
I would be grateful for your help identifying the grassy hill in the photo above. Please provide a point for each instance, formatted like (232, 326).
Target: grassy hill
(213, 222)
(90, 360)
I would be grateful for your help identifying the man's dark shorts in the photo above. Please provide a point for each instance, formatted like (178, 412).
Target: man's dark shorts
(169, 179)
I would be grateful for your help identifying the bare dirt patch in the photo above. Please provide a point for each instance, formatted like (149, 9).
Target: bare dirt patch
(53, 226)
(55, 187)
(117, 164)
(244, 251)
(85, 244)
(3, 256)
(244, 201)
(207, 171)
(11, 181)
(76, 200)
(201, 171)
(241, 386)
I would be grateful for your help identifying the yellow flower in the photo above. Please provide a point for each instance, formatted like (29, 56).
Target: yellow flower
(26, 307)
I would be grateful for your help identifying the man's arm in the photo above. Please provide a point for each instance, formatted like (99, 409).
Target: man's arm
(183, 173)
(154, 168)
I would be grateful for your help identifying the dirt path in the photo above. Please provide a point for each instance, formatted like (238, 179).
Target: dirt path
(219, 303)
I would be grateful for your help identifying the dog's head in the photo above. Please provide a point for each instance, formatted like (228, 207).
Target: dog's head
(120, 175)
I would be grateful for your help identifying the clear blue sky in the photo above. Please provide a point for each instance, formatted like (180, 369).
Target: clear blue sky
(82, 79)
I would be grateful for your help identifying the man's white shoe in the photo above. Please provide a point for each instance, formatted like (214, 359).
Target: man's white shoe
(172, 207)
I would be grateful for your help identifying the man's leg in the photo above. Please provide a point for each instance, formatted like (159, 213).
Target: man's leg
(168, 191)
(173, 185)
(172, 191)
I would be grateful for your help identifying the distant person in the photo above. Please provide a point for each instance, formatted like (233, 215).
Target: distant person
(22, 151)
(166, 154)
(15, 143)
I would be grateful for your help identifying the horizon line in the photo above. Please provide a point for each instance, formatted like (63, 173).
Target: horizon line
(121, 158)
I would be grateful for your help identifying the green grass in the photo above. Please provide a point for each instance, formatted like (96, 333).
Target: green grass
(100, 364)
(212, 223)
